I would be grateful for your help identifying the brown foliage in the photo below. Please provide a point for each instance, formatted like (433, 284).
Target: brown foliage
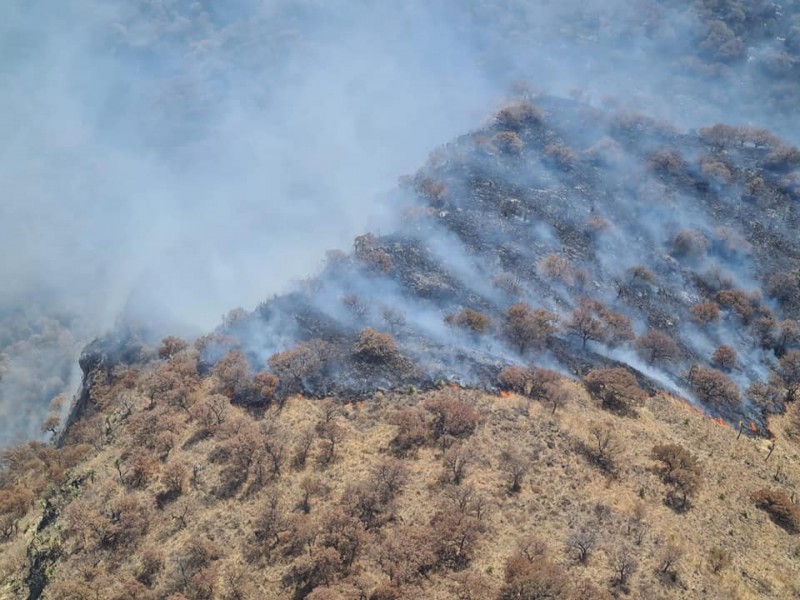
(724, 357)
(560, 155)
(412, 430)
(375, 346)
(304, 362)
(679, 468)
(556, 268)
(714, 388)
(469, 319)
(529, 328)
(508, 142)
(780, 508)
(452, 418)
(593, 320)
(690, 243)
(518, 116)
(705, 312)
(539, 579)
(655, 346)
(738, 303)
(616, 389)
(233, 374)
(170, 346)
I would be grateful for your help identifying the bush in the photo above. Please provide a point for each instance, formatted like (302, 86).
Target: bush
(690, 243)
(680, 469)
(508, 142)
(714, 388)
(724, 357)
(737, 302)
(532, 580)
(593, 320)
(375, 346)
(655, 346)
(452, 418)
(471, 320)
(556, 268)
(616, 389)
(527, 327)
(780, 508)
(518, 116)
(705, 312)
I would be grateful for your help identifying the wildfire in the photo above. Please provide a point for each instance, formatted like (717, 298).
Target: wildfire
(753, 427)
(504, 394)
(719, 421)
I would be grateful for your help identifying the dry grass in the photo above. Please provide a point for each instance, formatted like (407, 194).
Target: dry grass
(564, 491)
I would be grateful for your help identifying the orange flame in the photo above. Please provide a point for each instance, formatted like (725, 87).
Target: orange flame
(504, 394)
(753, 427)
(719, 421)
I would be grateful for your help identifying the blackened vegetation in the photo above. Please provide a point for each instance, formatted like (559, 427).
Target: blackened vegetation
(561, 235)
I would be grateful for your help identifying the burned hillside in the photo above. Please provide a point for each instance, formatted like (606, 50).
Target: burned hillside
(561, 236)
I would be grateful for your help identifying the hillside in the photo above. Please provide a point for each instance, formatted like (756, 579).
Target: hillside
(570, 372)
(180, 494)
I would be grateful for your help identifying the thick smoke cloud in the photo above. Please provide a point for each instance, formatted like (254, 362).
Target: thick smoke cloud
(165, 161)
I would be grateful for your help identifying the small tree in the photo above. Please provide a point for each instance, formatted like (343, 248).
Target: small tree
(705, 312)
(616, 389)
(714, 388)
(718, 559)
(593, 320)
(603, 446)
(679, 468)
(581, 543)
(624, 564)
(455, 463)
(529, 328)
(452, 418)
(470, 320)
(516, 467)
(780, 508)
(789, 370)
(655, 346)
(170, 346)
(724, 357)
(540, 579)
(375, 346)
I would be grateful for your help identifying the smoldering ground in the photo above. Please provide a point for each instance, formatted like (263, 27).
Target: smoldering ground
(166, 161)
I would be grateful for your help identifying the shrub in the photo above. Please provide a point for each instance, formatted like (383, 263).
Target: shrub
(171, 346)
(233, 374)
(518, 116)
(556, 268)
(532, 580)
(737, 302)
(299, 366)
(724, 357)
(705, 312)
(679, 468)
(616, 389)
(593, 320)
(690, 243)
(560, 156)
(526, 327)
(469, 319)
(516, 379)
(655, 346)
(412, 430)
(452, 418)
(714, 388)
(508, 142)
(789, 370)
(667, 162)
(779, 507)
(375, 346)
